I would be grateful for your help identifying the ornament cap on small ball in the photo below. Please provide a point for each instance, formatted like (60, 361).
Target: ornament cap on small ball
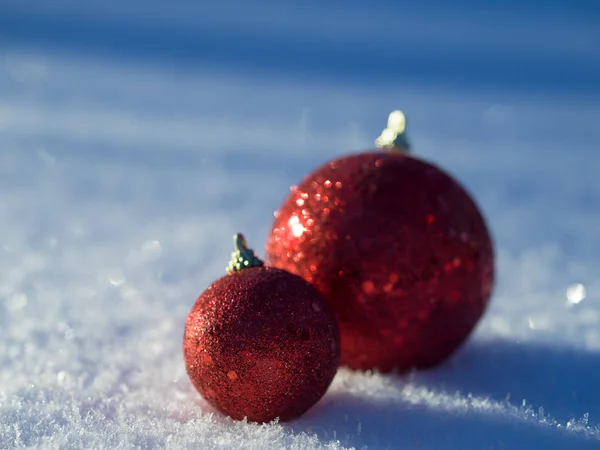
(397, 247)
(260, 343)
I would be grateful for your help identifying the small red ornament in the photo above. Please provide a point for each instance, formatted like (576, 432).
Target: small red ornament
(261, 343)
(397, 247)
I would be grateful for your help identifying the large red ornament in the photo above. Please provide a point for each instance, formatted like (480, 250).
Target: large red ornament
(261, 343)
(397, 247)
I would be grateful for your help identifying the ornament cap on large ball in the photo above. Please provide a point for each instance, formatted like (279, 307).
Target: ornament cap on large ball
(397, 247)
(394, 135)
(260, 343)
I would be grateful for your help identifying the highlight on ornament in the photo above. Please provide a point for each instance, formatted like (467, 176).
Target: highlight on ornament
(260, 343)
(400, 251)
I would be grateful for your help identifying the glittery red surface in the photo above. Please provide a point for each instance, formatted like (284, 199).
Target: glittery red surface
(261, 343)
(399, 250)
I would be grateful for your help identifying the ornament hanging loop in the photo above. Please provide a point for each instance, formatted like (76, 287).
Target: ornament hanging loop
(394, 135)
(243, 257)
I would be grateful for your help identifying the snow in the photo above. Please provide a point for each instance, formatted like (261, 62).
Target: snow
(123, 179)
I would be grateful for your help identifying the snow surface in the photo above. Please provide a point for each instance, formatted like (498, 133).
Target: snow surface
(122, 180)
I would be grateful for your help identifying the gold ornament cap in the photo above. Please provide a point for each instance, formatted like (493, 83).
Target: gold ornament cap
(394, 135)
(243, 257)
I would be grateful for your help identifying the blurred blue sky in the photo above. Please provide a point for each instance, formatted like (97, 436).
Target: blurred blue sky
(531, 46)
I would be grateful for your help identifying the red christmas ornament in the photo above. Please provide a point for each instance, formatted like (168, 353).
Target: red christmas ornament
(396, 246)
(261, 343)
